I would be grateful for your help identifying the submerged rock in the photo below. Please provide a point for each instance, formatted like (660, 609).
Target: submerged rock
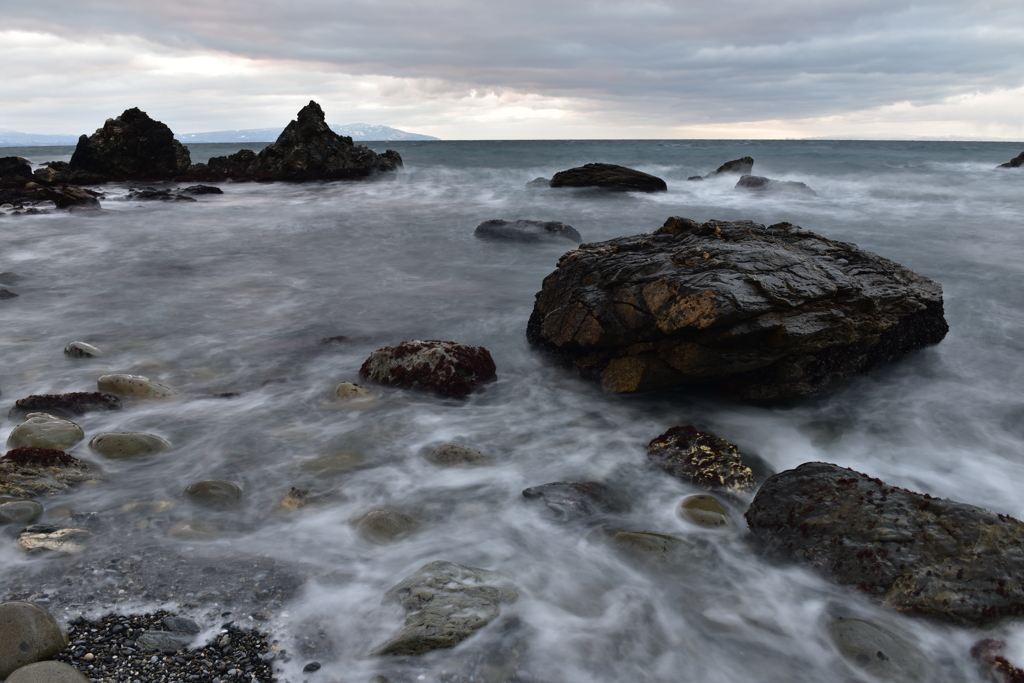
(131, 147)
(759, 313)
(355, 396)
(7, 294)
(1015, 162)
(134, 386)
(117, 445)
(741, 166)
(444, 367)
(28, 472)
(68, 196)
(570, 501)
(42, 430)
(703, 459)
(880, 652)
(704, 511)
(74, 403)
(526, 231)
(27, 634)
(19, 511)
(916, 553)
(334, 463)
(214, 493)
(756, 183)
(664, 552)
(385, 526)
(445, 603)
(78, 349)
(609, 177)
(990, 653)
(450, 455)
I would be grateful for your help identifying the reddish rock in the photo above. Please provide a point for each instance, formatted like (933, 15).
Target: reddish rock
(445, 367)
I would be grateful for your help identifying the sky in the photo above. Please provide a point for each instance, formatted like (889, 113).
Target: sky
(523, 69)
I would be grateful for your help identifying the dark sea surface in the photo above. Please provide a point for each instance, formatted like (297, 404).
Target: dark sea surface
(233, 293)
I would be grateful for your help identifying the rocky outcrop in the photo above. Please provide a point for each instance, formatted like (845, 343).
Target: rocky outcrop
(67, 196)
(445, 603)
(917, 554)
(741, 166)
(758, 313)
(14, 171)
(130, 147)
(444, 367)
(609, 177)
(527, 231)
(1015, 162)
(65, 405)
(703, 459)
(756, 183)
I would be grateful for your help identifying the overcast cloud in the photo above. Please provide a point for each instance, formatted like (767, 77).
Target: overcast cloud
(461, 69)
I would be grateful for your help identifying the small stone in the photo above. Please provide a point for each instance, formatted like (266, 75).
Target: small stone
(47, 672)
(78, 349)
(355, 396)
(295, 498)
(450, 455)
(163, 641)
(27, 634)
(703, 511)
(384, 526)
(44, 537)
(214, 493)
(42, 430)
(20, 512)
(879, 652)
(117, 445)
(134, 386)
(90, 656)
(311, 667)
(333, 464)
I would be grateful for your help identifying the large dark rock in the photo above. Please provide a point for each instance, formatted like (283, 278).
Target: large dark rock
(527, 231)
(444, 367)
(916, 553)
(758, 313)
(65, 405)
(741, 166)
(15, 167)
(67, 196)
(1015, 162)
(609, 177)
(131, 147)
(756, 183)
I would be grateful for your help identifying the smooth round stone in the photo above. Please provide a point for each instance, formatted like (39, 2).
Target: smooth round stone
(703, 510)
(77, 349)
(48, 672)
(214, 493)
(879, 652)
(20, 511)
(118, 445)
(355, 396)
(134, 386)
(333, 464)
(450, 455)
(27, 634)
(384, 526)
(43, 430)
(195, 530)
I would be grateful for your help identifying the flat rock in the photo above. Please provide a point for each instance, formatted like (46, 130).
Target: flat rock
(117, 445)
(451, 455)
(130, 147)
(1015, 162)
(43, 430)
(150, 194)
(164, 641)
(28, 472)
(38, 538)
(756, 183)
(444, 367)
(27, 634)
(70, 404)
(569, 501)
(609, 177)
(880, 652)
(445, 603)
(915, 553)
(79, 349)
(47, 672)
(526, 231)
(759, 313)
(134, 386)
(703, 459)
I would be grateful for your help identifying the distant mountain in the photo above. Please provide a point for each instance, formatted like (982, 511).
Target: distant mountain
(12, 138)
(359, 132)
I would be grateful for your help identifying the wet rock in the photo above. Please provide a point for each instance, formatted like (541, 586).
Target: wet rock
(990, 653)
(917, 554)
(703, 511)
(696, 177)
(879, 652)
(37, 538)
(42, 430)
(703, 459)
(149, 194)
(444, 367)
(181, 625)
(758, 313)
(117, 445)
(214, 493)
(134, 386)
(756, 183)
(15, 167)
(661, 551)
(47, 672)
(609, 177)
(527, 231)
(741, 166)
(1015, 162)
(28, 472)
(27, 634)
(164, 641)
(539, 182)
(445, 603)
(68, 196)
(385, 526)
(9, 278)
(7, 294)
(295, 499)
(203, 189)
(131, 147)
(70, 404)
(19, 511)
(78, 349)
(355, 396)
(570, 501)
(450, 455)
(334, 463)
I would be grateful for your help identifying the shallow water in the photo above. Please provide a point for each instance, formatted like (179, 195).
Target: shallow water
(234, 292)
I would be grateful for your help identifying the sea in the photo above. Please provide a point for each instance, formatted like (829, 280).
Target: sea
(228, 300)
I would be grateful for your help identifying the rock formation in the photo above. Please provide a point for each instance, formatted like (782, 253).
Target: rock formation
(130, 147)
(609, 177)
(759, 313)
(741, 166)
(1015, 162)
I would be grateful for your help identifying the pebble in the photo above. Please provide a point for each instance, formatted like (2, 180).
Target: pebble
(134, 386)
(77, 349)
(42, 430)
(117, 445)
(703, 510)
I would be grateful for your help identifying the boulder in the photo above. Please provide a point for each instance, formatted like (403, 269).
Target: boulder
(569, 501)
(15, 167)
(609, 177)
(42, 430)
(917, 554)
(703, 459)
(741, 166)
(78, 349)
(131, 147)
(67, 196)
(134, 386)
(308, 149)
(445, 603)
(203, 189)
(758, 313)
(47, 672)
(526, 231)
(27, 634)
(118, 445)
(756, 183)
(1015, 162)
(28, 472)
(444, 367)
(61, 405)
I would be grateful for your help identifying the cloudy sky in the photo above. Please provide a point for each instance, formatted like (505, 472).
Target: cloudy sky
(508, 69)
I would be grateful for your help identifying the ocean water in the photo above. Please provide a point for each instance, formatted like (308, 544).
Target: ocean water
(233, 293)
